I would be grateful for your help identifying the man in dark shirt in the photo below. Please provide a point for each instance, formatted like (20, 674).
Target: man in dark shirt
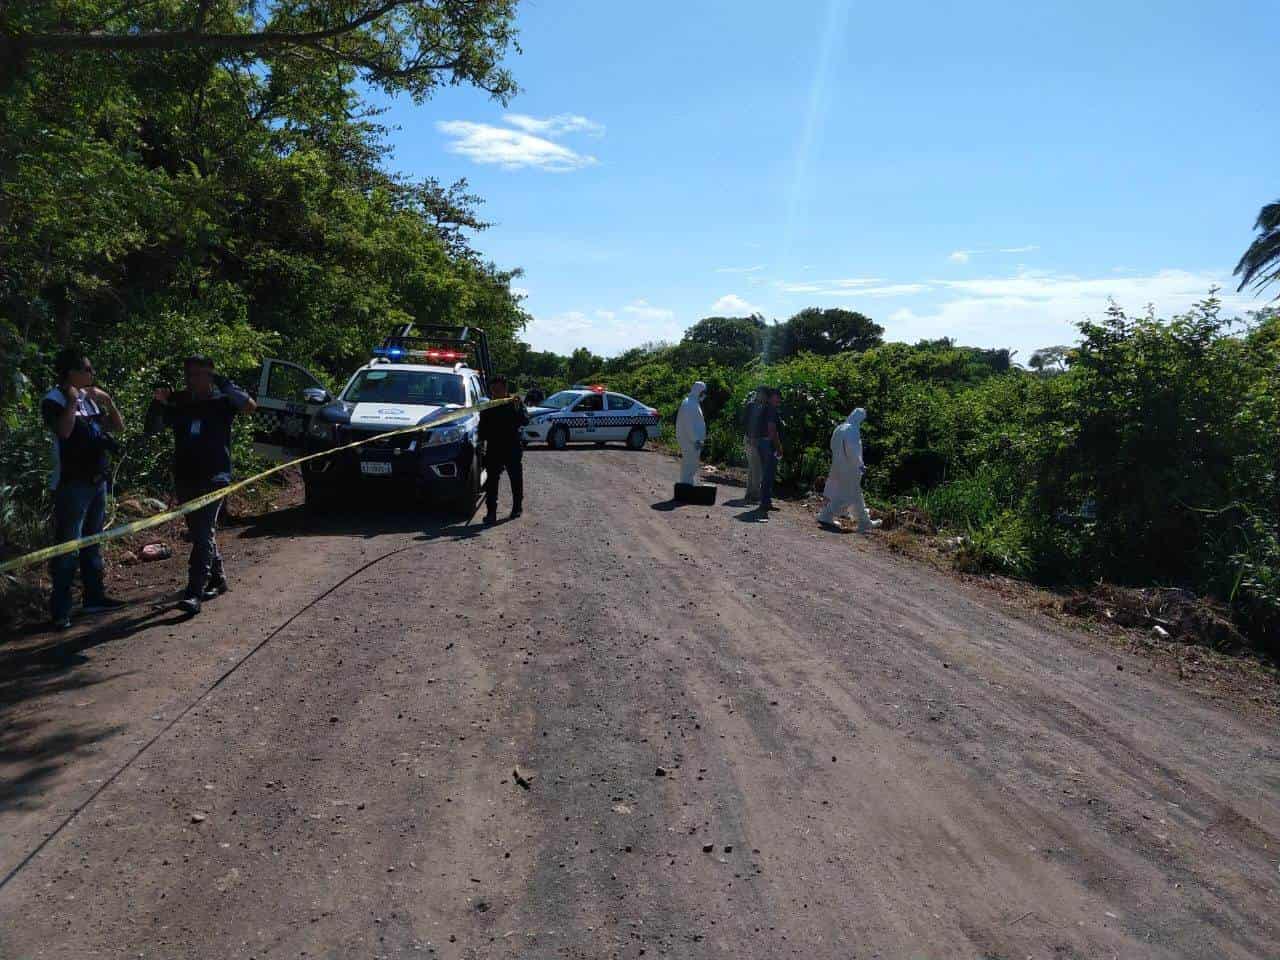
(534, 396)
(200, 417)
(754, 466)
(501, 431)
(80, 416)
(768, 439)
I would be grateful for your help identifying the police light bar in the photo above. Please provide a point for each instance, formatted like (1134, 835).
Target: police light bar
(596, 387)
(397, 353)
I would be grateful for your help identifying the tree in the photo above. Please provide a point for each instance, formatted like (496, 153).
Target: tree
(397, 45)
(581, 363)
(736, 338)
(1050, 359)
(827, 332)
(1260, 264)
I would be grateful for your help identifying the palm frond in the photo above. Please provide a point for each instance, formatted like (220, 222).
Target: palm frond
(1260, 264)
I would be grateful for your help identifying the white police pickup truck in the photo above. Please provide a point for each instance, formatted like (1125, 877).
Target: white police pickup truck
(591, 415)
(410, 380)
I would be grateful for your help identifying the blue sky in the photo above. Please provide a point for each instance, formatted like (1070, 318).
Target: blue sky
(989, 171)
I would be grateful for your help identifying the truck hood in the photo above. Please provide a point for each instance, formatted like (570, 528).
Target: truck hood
(393, 416)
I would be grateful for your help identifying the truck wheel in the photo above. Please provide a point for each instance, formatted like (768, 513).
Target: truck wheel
(558, 438)
(636, 438)
(464, 504)
(318, 495)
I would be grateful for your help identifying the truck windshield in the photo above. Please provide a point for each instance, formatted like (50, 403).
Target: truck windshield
(418, 387)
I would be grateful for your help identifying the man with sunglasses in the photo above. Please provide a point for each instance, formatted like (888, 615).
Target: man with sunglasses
(81, 417)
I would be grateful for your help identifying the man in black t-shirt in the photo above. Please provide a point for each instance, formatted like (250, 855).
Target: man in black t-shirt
(766, 432)
(200, 417)
(81, 417)
(501, 429)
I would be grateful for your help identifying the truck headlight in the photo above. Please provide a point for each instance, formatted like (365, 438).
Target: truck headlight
(445, 435)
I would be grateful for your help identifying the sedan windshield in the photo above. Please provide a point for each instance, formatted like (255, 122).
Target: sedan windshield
(418, 387)
(558, 401)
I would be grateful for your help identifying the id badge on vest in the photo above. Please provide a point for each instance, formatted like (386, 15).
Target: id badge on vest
(195, 427)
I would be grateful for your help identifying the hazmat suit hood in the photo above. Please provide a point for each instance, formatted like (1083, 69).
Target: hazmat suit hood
(856, 417)
(697, 392)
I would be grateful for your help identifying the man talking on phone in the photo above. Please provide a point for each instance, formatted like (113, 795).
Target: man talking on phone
(81, 417)
(200, 417)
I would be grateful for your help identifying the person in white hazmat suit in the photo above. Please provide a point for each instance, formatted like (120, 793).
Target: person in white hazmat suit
(844, 484)
(691, 432)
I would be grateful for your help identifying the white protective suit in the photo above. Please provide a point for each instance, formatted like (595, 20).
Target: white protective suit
(844, 484)
(691, 432)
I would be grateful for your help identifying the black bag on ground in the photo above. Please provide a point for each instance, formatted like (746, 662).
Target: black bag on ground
(700, 493)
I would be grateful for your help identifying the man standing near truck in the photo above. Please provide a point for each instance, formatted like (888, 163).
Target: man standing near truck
(501, 430)
(200, 417)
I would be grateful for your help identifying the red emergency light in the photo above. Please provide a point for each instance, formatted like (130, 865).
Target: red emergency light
(596, 387)
(446, 355)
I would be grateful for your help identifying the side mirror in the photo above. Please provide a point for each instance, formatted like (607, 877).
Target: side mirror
(315, 395)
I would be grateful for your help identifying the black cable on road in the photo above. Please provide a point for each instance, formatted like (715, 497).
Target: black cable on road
(191, 706)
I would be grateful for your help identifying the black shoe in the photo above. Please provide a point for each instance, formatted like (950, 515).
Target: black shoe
(102, 605)
(516, 513)
(490, 518)
(60, 625)
(189, 605)
(215, 589)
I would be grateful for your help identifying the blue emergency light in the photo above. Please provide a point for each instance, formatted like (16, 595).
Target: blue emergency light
(389, 352)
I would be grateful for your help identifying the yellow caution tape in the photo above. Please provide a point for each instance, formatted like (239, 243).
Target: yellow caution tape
(156, 520)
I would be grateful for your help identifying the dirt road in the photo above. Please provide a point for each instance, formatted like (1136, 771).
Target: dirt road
(733, 740)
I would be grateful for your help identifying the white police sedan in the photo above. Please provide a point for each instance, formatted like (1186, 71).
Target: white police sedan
(591, 415)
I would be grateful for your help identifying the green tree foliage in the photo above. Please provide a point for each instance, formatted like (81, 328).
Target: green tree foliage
(734, 339)
(1260, 264)
(397, 45)
(162, 193)
(582, 362)
(826, 332)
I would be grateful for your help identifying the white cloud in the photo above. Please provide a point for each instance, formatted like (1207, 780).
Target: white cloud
(787, 287)
(1032, 309)
(852, 287)
(604, 331)
(963, 256)
(732, 305)
(646, 310)
(556, 126)
(510, 149)
(889, 290)
(754, 269)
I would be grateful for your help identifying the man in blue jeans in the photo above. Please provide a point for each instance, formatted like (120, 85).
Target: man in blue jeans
(81, 417)
(768, 440)
(200, 417)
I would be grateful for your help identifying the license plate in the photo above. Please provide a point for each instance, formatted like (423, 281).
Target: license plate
(375, 469)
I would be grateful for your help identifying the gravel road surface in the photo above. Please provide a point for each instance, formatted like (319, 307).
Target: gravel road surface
(619, 728)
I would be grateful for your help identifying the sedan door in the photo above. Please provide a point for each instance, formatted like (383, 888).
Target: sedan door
(585, 425)
(619, 417)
